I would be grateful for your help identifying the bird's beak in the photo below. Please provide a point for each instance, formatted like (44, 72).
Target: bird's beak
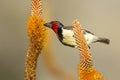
(48, 25)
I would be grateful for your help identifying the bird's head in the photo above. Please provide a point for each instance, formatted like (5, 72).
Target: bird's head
(54, 25)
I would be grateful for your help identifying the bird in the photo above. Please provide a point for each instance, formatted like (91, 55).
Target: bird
(66, 36)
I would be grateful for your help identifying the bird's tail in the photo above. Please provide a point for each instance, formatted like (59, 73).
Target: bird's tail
(103, 40)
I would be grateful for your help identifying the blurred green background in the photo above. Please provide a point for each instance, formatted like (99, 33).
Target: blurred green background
(101, 17)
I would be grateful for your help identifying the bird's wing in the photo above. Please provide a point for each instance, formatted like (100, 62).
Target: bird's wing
(71, 28)
(88, 31)
(68, 27)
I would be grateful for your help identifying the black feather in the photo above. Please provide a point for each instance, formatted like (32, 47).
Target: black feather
(103, 40)
(60, 36)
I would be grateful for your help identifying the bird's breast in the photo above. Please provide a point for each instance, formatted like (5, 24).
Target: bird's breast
(68, 37)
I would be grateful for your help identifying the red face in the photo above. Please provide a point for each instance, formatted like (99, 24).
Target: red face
(54, 26)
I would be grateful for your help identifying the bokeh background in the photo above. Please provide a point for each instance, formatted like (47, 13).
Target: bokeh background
(101, 17)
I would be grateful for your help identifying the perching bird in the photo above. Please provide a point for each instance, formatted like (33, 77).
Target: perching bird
(66, 35)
